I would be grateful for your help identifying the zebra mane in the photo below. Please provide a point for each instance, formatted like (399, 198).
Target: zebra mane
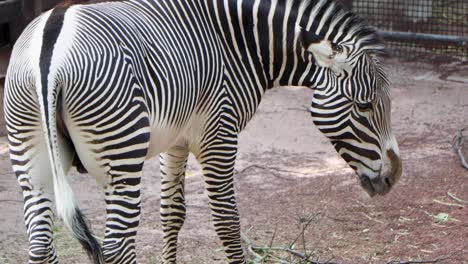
(349, 25)
(382, 79)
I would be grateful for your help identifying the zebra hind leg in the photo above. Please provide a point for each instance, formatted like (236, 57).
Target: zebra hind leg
(123, 194)
(217, 162)
(38, 218)
(173, 165)
(123, 199)
(34, 175)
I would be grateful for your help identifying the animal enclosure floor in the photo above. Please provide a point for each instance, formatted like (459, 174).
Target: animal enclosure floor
(287, 171)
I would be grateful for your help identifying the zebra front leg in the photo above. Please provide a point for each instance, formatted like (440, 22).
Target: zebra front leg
(217, 161)
(123, 200)
(173, 165)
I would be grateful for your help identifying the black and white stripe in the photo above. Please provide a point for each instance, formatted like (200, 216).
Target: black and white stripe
(116, 82)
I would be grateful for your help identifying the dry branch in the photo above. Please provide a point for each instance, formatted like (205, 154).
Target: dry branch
(451, 195)
(416, 262)
(252, 248)
(304, 108)
(308, 221)
(12, 201)
(273, 236)
(304, 257)
(263, 254)
(271, 169)
(437, 260)
(275, 171)
(448, 204)
(457, 145)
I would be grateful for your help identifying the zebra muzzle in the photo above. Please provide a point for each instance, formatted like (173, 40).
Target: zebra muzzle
(387, 177)
(379, 185)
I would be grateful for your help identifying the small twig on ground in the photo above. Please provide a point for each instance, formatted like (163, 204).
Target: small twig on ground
(457, 145)
(304, 227)
(250, 246)
(451, 195)
(273, 170)
(437, 260)
(302, 109)
(372, 219)
(250, 167)
(13, 201)
(273, 236)
(417, 262)
(448, 204)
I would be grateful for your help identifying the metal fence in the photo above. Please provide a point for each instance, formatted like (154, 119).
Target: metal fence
(416, 27)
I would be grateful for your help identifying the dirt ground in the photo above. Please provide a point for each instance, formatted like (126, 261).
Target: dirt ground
(287, 172)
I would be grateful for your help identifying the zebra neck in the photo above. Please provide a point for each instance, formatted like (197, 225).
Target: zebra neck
(262, 39)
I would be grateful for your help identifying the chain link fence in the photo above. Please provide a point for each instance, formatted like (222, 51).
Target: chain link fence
(419, 27)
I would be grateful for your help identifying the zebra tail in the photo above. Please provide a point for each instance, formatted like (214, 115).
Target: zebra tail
(67, 208)
(49, 93)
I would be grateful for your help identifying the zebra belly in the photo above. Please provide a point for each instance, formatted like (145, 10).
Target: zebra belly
(161, 139)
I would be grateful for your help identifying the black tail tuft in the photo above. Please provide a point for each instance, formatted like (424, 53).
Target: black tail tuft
(86, 238)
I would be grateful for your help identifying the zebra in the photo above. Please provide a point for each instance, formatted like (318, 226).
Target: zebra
(106, 85)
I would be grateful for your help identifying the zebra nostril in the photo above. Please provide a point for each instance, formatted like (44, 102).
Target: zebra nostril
(366, 179)
(388, 181)
(366, 183)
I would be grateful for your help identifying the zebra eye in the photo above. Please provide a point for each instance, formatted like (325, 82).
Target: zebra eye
(364, 107)
(337, 48)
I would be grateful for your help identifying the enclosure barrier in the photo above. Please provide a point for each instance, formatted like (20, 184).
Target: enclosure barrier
(415, 27)
(424, 38)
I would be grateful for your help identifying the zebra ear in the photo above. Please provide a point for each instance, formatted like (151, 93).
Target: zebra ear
(328, 54)
(324, 52)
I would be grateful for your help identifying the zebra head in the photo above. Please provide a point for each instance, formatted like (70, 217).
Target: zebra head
(351, 103)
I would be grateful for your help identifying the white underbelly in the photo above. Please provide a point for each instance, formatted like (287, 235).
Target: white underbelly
(161, 139)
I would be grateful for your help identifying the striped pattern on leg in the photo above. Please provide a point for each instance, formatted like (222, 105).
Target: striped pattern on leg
(123, 200)
(217, 161)
(173, 165)
(38, 217)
